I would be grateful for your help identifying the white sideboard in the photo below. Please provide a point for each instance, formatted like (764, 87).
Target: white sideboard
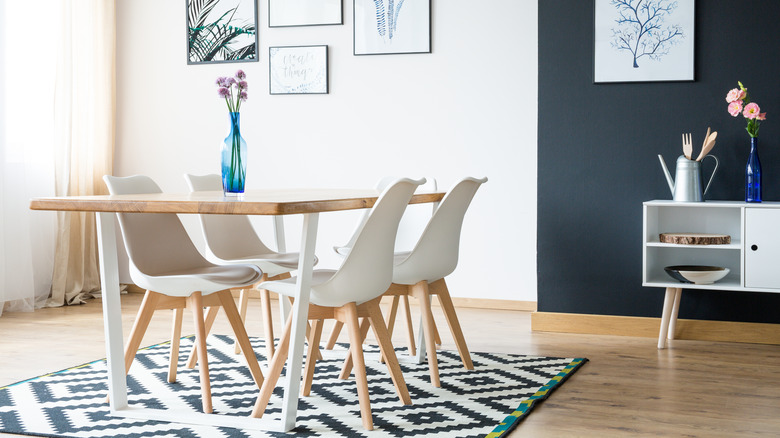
(752, 257)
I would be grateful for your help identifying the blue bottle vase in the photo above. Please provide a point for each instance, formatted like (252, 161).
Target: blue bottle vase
(234, 158)
(753, 174)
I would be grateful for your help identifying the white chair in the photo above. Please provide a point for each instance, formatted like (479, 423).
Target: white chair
(421, 273)
(164, 261)
(231, 239)
(352, 291)
(342, 250)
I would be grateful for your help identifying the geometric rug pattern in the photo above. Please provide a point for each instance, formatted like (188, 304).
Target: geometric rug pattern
(488, 401)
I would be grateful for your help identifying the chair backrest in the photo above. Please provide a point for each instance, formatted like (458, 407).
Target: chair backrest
(156, 243)
(436, 254)
(428, 185)
(228, 237)
(368, 268)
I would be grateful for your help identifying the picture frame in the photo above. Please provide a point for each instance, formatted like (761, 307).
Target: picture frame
(664, 55)
(289, 13)
(298, 69)
(383, 27)
(221, 31)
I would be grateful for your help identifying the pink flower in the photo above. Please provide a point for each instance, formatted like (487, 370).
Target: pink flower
(243, 96)
(761, 116)
(735, 94)
(751, 111)
(242, 85)
(735, 108)
(223, 92)
(240, 74)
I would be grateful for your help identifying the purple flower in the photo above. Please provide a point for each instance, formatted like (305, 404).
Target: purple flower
(243, 96)
(240, 74)
(221, 81)
(242, 85)
(223, 92)
(229, 82)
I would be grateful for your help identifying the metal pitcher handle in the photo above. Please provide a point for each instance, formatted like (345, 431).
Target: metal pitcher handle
(713, 172)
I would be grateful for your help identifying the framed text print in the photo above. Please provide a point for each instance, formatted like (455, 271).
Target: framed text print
(643, 40)
(392, 26)
(221, 31)
(304, 12)
(298, 69)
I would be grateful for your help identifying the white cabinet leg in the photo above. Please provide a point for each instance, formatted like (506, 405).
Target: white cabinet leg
(675, 311)
(666, 316)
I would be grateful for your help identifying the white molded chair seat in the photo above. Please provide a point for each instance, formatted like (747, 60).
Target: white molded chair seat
(352, 291)
(231, 239)
(421, 273)
(165, 262)
(429, 185)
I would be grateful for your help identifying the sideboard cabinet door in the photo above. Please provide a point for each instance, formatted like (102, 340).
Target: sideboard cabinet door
(762, 248)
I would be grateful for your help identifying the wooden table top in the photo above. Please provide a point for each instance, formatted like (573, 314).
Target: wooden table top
(254, 202)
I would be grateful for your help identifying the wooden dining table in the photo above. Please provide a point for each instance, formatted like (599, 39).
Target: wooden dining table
(308, 202)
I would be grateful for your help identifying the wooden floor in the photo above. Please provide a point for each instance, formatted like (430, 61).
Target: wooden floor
(629, 388)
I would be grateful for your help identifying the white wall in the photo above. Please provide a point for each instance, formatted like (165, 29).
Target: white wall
(468, 108)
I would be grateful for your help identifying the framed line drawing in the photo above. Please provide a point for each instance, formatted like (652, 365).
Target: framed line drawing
(284, 13)
(391, 26)
(643, 40)
(221, 31)
(298, 69)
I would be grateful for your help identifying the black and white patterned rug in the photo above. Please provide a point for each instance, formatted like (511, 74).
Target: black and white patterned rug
(488, 401)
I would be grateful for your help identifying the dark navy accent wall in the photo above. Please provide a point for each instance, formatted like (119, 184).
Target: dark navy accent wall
(598, 147)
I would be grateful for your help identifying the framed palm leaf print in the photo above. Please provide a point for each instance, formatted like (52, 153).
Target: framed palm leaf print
(221, 31)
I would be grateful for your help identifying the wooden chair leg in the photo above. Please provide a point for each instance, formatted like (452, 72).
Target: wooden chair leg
(356, 343)
(386, 347)
(268, 323)
(195, 302)
(142, 319)
(173, 364)
(334, 335)
(308, 370)
(211, 315)
(409, 329)
(391, 315)
(346, 368)
(274, 372)
(243, 303)
(242, 339)
(436, 336)
(420, 291)
(452, 320)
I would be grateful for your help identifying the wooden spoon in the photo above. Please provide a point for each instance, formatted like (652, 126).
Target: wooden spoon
(708, 145)
(706, 138)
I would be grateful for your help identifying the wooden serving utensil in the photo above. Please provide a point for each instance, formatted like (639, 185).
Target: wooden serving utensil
(704, 142)
(710, 143)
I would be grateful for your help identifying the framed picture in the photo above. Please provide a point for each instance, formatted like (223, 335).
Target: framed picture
(392, 26)
(221, 31)
(643, 41)
(282, 13)
(298, 69)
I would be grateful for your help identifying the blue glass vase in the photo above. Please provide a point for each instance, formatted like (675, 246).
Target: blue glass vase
(234, 159)
(753, 174)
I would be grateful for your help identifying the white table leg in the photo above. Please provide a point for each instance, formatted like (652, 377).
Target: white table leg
(112, 311)
(281, 246)
(421, 350)
(300, 315)
(666, 315)
(675, 311)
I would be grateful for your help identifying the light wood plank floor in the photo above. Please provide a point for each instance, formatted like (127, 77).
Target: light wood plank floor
(629, 388)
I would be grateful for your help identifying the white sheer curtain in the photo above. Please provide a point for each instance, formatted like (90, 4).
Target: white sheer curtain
(26, 158)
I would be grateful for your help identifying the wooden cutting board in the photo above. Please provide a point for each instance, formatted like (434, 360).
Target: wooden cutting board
(695, 238)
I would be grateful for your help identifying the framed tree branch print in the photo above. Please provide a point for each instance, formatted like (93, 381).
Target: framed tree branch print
(392, 26)
(643, 40)
(221, 31)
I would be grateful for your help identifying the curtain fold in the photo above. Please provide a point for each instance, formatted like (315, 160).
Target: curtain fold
(26, 161)
(83, 138)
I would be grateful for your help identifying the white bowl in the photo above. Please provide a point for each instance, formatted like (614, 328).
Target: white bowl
(705, 274)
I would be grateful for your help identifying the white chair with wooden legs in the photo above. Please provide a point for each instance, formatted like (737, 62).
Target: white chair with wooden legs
(351, 292)
(231, 239)
(421, 273)
(165, 262)
(343, 250)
